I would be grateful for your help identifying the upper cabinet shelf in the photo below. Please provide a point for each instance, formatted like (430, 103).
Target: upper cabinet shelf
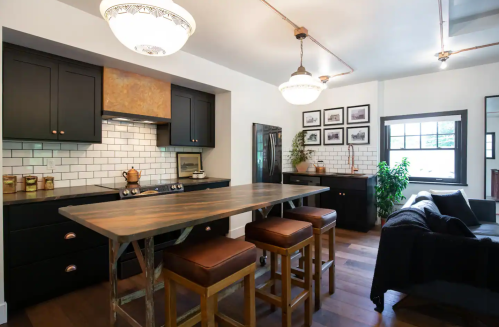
(50, 98)
(193, 120)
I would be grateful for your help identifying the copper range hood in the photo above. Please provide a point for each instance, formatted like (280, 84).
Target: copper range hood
(132, 97)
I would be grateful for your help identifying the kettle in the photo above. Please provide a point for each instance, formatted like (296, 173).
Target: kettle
(132, 176)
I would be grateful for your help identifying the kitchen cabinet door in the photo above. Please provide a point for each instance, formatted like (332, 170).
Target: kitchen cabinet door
(182, 131)
(355, 204)
(80, 103)
(203, 118)
(30, 88)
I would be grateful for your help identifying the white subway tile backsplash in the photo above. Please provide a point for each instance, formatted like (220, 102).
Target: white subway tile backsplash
(123, 146)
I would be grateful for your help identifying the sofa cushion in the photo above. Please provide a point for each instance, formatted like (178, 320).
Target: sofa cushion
(455, 205)
(423, 195)
(487, 229)
(443, 192)
(447, 225)
(430, 205)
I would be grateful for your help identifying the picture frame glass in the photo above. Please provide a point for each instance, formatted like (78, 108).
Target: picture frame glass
(333, 116)
(358, 135)
(312, 118)
(313, 137)
(358, 114)
(188, 163)
(333, 136)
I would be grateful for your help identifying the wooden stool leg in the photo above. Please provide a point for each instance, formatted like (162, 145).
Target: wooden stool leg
(318, 270)
(249, 300)
(332, 269)
(207, 311)
(215, 307)
(286, 290)
(170, 303)
(300, 261)
(308, 285)
(273, 269)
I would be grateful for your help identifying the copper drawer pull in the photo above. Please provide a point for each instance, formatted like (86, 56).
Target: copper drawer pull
(70, 268)
(208, 228)
(54, 132)
(69, 236)
(62, 132)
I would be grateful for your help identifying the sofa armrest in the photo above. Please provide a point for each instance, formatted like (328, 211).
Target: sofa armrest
(410, 201)
(484, 210)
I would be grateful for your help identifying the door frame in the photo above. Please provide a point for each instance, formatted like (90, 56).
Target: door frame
(485, 146)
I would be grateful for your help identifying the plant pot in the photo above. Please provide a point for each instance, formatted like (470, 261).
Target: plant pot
(302, 167)
(383, 221)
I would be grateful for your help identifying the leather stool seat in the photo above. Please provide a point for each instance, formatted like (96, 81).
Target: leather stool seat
(318, 217)
(210, 261)
(283, 233)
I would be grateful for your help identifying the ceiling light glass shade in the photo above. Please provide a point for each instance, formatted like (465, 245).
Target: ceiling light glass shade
(149, 27)
(302, 89)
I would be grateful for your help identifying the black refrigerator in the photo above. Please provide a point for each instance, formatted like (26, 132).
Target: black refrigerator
(267, 158)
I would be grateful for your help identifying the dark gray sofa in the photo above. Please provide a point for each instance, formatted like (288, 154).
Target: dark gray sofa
(481, 300)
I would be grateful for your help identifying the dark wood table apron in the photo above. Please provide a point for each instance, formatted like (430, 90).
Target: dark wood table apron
(125, 222)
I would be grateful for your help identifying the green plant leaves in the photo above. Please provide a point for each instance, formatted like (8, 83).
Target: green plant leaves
(298, 153)
(391, 183)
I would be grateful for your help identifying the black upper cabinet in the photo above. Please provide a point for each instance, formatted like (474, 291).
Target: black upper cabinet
(193, 119)
(46, 97)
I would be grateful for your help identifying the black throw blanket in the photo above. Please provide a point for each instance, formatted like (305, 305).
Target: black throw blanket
(410, 253)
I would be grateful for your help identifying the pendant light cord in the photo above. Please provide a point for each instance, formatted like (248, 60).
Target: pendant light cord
(301, 54)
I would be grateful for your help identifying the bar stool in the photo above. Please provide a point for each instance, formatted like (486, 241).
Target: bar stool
(284, 237)
(322, 220)
(206, 268)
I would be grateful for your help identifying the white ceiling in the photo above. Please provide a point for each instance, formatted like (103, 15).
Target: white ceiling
(381, 39)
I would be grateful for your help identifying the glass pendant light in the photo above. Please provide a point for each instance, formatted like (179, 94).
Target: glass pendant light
(302, 88)
(149, 27)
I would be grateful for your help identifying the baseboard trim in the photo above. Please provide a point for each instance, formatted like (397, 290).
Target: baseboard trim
(237, 232)
(3, 313)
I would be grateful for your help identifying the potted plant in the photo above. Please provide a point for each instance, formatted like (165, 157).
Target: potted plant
(299, 155)
(391, 183)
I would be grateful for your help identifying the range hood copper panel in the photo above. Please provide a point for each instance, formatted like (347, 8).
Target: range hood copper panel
(129, 96)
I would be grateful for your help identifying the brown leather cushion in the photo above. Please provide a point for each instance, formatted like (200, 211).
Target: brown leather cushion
(280, 232)
(208, 262)
(318, 217)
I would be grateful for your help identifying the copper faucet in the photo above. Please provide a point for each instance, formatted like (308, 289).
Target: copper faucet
(352, 167)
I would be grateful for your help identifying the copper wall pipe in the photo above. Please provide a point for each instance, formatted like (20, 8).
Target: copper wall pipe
(312, 39)
(442, 36)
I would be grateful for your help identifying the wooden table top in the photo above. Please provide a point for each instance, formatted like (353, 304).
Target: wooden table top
(135, 219)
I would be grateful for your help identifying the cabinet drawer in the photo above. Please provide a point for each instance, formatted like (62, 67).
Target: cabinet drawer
(46, 213)
(305, 180)
(190, 188)
(345, 183)
(36, 244)
(45, 279)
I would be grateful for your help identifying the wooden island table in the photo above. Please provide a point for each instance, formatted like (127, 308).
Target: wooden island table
(125, 222)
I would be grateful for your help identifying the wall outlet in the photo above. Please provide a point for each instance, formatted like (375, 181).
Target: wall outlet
(50, 164)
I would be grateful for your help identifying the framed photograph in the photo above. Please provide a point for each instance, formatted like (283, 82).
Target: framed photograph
(358, 135)
(334, 116)
(312, 118)
(313, 137)
(334, 136)
(358, 114)
(187, 163)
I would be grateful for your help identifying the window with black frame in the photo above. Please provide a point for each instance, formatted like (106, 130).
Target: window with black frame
(434, 144)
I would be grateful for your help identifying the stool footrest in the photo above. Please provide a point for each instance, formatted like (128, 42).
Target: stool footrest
(265, 285)
(326, 265)
(299, 299)
(294, 281)
(190, 321)
(269, 298)
(224, 319)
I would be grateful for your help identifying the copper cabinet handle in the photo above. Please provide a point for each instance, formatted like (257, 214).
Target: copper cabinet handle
(69, 236)
(62, 132)
(193, 140)
(197, 141)
(70, 268)
(343, 194)
(54, 132)
(340, 193)
(208, 228)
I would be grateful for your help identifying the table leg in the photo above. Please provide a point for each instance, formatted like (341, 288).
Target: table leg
(149, 261)
(113, 280)
(264, 212)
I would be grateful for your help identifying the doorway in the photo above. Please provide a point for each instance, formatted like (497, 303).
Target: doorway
(491, 185)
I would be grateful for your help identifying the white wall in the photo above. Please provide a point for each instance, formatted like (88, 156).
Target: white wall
(335, 157)
(492, 127)
(445, 91)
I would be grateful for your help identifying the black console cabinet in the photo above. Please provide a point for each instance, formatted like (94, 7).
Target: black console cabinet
(46, 97)
(353, 198)
(193, 119)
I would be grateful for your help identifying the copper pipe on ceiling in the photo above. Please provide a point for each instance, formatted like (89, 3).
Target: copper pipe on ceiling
(312, 39)
(442, 36)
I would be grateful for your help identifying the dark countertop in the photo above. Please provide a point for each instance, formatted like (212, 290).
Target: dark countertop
(92, 190)
(309, 173)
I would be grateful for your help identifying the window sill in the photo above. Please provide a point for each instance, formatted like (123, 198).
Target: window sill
(437, 183)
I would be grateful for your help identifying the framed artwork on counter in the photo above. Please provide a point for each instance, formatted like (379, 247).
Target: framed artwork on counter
(187, 163)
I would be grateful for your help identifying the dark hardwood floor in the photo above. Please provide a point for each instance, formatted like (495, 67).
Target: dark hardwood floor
(350, 306)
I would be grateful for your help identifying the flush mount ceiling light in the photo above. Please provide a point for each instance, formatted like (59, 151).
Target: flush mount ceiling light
(444, 55)
(149, 27)
(302, 88)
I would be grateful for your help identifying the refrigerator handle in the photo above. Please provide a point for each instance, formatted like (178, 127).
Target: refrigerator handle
(273, 153)
(269, 155)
